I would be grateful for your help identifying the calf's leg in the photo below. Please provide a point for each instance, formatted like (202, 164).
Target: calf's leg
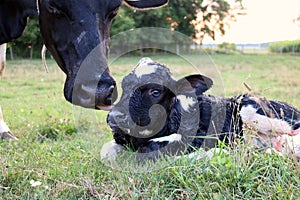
(111, 150)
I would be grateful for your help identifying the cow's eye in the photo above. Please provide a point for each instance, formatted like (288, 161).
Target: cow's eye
(155, 92)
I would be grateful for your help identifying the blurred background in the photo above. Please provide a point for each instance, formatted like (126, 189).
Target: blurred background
(220, 26)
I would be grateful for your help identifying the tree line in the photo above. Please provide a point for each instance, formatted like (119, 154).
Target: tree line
(194, 18)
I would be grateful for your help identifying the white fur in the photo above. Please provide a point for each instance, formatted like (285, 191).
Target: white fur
(264, 124)
(110, 150)
(143, 68)
(37, 6)
(144, 61)
(79, 38)
(2, 58)
(186, 102)
(146, 132)
(289, 145)
(170, 138)
(280, 141)
(3, 126)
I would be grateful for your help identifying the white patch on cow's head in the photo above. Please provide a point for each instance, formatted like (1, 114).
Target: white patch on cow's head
(170, 138)
(262, 123)
(146, 132)
(186, 102)
(143, 67)
(79, 38)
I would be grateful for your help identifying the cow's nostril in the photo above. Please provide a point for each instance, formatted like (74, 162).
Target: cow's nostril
(112, 94)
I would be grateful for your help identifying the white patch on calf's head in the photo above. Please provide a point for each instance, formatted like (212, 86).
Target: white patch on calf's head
(171, 138)
(144, 61)
(146, 132)
(143, 67)
(186, 102)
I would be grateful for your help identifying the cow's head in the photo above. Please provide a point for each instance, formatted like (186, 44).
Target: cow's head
(76, 32)
(151, 100)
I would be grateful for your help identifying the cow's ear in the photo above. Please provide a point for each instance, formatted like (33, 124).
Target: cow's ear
(194, 83)
(13, 18)
(145, 4)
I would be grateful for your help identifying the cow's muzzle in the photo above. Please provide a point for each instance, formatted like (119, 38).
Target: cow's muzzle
(95, 94)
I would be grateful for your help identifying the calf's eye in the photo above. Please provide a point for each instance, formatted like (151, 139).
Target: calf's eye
(155, 92)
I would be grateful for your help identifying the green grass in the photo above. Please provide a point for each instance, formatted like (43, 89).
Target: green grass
(59, 143)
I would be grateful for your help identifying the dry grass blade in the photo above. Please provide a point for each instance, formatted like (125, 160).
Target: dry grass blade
(247, 87)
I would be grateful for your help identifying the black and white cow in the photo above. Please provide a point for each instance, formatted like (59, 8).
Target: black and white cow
(76, 32)
(158, 114)
(72, 30)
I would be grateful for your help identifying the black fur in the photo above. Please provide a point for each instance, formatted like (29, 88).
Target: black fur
(74, 32)
(216, 116)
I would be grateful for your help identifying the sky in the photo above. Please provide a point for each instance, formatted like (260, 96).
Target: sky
(266, 21)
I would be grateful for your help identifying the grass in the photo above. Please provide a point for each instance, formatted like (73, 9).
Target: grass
(59, 144)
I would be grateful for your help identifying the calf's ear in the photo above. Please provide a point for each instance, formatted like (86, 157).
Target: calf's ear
(145, 4)
(194, 83)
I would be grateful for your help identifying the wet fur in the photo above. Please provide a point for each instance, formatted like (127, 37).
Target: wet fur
(217, 116)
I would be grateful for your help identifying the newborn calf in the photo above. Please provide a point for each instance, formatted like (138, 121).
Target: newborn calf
(158, 114)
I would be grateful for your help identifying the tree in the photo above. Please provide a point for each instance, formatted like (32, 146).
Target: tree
(31, 39)
(195, 18)
(122, 22)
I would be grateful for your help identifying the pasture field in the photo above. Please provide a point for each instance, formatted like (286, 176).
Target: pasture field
(57, 154)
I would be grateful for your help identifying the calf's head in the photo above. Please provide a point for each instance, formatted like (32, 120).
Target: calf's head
(150, 95)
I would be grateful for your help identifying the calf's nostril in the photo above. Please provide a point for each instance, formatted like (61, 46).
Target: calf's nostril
(120, 116)
(117, 116)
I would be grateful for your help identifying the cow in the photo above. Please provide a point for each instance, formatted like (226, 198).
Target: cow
(158, 114)
(2, 59)
(76, 32)
(71, 31)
